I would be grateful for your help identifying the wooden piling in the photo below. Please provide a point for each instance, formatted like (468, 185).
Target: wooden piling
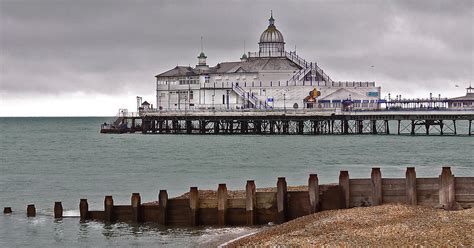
(83, 209)
(193, 205)
(221, 204)
(410, 186)
(250, 203)
(108, 208)
(282, 200)
(446, 188)
(163, 206)
(344, 184)
(313, 190)
(376, 177)
(58, 210)
(136, 202)
(31, 210)
(7, 210)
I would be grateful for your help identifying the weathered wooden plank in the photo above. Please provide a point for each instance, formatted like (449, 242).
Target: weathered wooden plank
(468, 180)
(360, 188)
(150, 213)
(360, 181)
(266, 199)
(464, 191)
(367, 193)
(207, 216)
(427, 180)
(96, 215)
(465, 197)
(264, 216)
(207, 203)
(393, 181)
(400, 192)
(393, 186)
(464, 185)
(236, 203)
(298, 204)
(426, 186)
(236, 216)
(394, 199)
(359, 201)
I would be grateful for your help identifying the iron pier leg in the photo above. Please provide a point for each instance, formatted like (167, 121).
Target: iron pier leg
(374, 126)
(216, 127)
(470, 124)
(412, 127)
(387, 127)
(272, 127)
(455, 131)
(399, 123)
(441, 125)
(300, 127)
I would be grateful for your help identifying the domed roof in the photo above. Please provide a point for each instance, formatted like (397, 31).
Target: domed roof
(271, 34)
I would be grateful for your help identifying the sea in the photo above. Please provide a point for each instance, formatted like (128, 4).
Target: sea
(43, 160)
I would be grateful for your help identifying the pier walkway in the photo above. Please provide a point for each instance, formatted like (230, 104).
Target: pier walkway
(303, 122)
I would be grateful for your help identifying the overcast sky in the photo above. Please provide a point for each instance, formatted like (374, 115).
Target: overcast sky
(90, 57)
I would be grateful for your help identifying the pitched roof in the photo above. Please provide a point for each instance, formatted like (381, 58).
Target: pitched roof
(178, 71)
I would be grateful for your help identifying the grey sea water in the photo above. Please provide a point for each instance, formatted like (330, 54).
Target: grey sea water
(43, 160)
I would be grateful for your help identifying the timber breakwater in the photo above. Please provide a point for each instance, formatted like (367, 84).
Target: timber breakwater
(278, 205)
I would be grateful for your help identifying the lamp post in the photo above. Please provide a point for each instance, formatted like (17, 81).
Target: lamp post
(284, 102)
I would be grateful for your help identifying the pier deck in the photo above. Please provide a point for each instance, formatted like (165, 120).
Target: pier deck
(303, 122)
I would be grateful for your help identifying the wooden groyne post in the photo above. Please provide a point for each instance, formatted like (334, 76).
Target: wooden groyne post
(344, 184)
(221, 204)
(7, 210)
(108, 208)
(136, 203)
(282, 199)
(58, 210)
(31, 210)
(376, 177)
(194, 205)
(410, 186)
(83, 209)
(446, 188)
(163, 206)
(250, 203)
(313, 191)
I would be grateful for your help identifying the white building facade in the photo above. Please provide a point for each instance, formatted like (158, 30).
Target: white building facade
(271, 78)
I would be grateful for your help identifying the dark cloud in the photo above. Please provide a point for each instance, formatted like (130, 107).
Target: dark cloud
(111, 47)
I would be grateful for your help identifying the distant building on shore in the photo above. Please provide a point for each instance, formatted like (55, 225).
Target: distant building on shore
(463, 102)
(267, 79)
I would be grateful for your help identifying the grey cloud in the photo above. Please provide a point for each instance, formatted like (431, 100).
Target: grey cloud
(54, 46)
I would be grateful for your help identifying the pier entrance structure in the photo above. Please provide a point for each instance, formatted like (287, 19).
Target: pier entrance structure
(268, 79)
(305, 122)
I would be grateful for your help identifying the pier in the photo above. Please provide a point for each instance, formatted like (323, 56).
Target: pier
(301, 122)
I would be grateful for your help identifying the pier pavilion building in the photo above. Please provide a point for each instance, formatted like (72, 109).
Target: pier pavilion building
(271, 78)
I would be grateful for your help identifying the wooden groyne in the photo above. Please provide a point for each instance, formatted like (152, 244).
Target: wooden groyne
(281, 205)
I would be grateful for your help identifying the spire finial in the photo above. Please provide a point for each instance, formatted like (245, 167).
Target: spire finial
(271, 20)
